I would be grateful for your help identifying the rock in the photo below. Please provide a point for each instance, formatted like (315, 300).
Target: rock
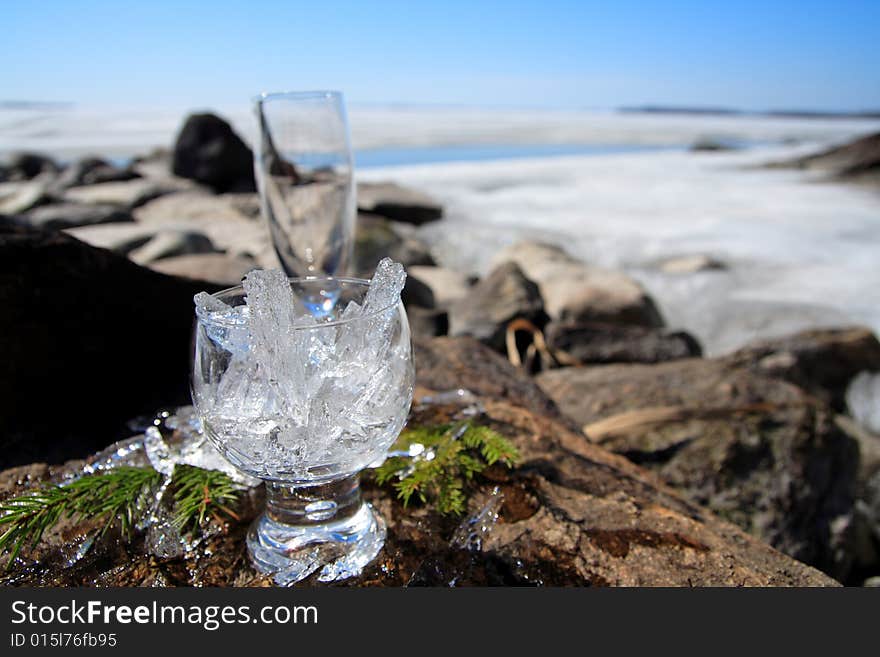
(570, 514)
(504, 295)
(170, 243)
(19, 197)
(223, 218)
(209, 152)
(857, 160)
(122, 238)
(710, 145)
(89, 339)
(188, 205)
(155, 164)
(398, 203)
(450, 363)
(613, 343)
(447, 285)
(416, 293)
(90, 171)
(821, 361)
(375, 238)
(755, 450)
(56, 216)
(427, 322)
(574, 291)
(222, 269)
(128, 194)
(25, 166)
(691, 264)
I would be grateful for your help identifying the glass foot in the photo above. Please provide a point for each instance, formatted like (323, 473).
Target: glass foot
(326, 528)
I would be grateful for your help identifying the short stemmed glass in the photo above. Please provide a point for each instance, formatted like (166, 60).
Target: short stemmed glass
(304, 170)
(341, 399)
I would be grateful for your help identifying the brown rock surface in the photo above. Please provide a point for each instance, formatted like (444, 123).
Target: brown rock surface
(753, 449)
(572, 514)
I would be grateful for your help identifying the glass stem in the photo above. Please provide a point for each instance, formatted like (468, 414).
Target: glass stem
(320, 504)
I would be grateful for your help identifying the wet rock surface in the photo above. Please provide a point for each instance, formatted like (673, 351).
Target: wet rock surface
(570, 514)
(755, 450)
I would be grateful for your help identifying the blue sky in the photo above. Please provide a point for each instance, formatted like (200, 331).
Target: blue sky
(543, 53)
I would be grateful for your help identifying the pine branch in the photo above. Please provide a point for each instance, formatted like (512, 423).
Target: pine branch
(111, 496)
(115, 496)
(198, 492)
(452, 455)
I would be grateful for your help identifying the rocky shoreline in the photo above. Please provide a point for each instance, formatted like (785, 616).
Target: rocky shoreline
(644, 463)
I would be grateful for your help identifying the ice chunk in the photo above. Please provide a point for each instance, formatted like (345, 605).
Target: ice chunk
(386, 286)
(308, 392)
(226, 325)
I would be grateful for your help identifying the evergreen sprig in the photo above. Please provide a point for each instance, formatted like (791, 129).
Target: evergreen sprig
(114, 496)
(452, 455)
(198, 492)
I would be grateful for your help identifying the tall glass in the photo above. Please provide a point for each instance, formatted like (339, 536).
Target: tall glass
(304, 170)
(331, 400)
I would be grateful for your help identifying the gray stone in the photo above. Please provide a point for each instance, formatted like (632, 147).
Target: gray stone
(208, 151)
(170, 243)
(613, 343)
(127, 194)
(427, 322)
(25, 166)
(193, 204)
(821, 361)
(575, 291)
(69, 215)
(19, 197)
(221, 269)
(122, 238)
(376, 238)
(398, 203)
(447, 285)
(504, 295)
(91, 171)
(691, 264)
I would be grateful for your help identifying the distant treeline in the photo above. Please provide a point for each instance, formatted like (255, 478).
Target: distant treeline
(726, 111)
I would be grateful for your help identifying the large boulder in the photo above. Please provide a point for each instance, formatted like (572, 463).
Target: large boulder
(755, 450)
(570, 514)
(502, 296)
(821, 361)
(90, 341)
(208, 151)
(398, 203)
(574, 291)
